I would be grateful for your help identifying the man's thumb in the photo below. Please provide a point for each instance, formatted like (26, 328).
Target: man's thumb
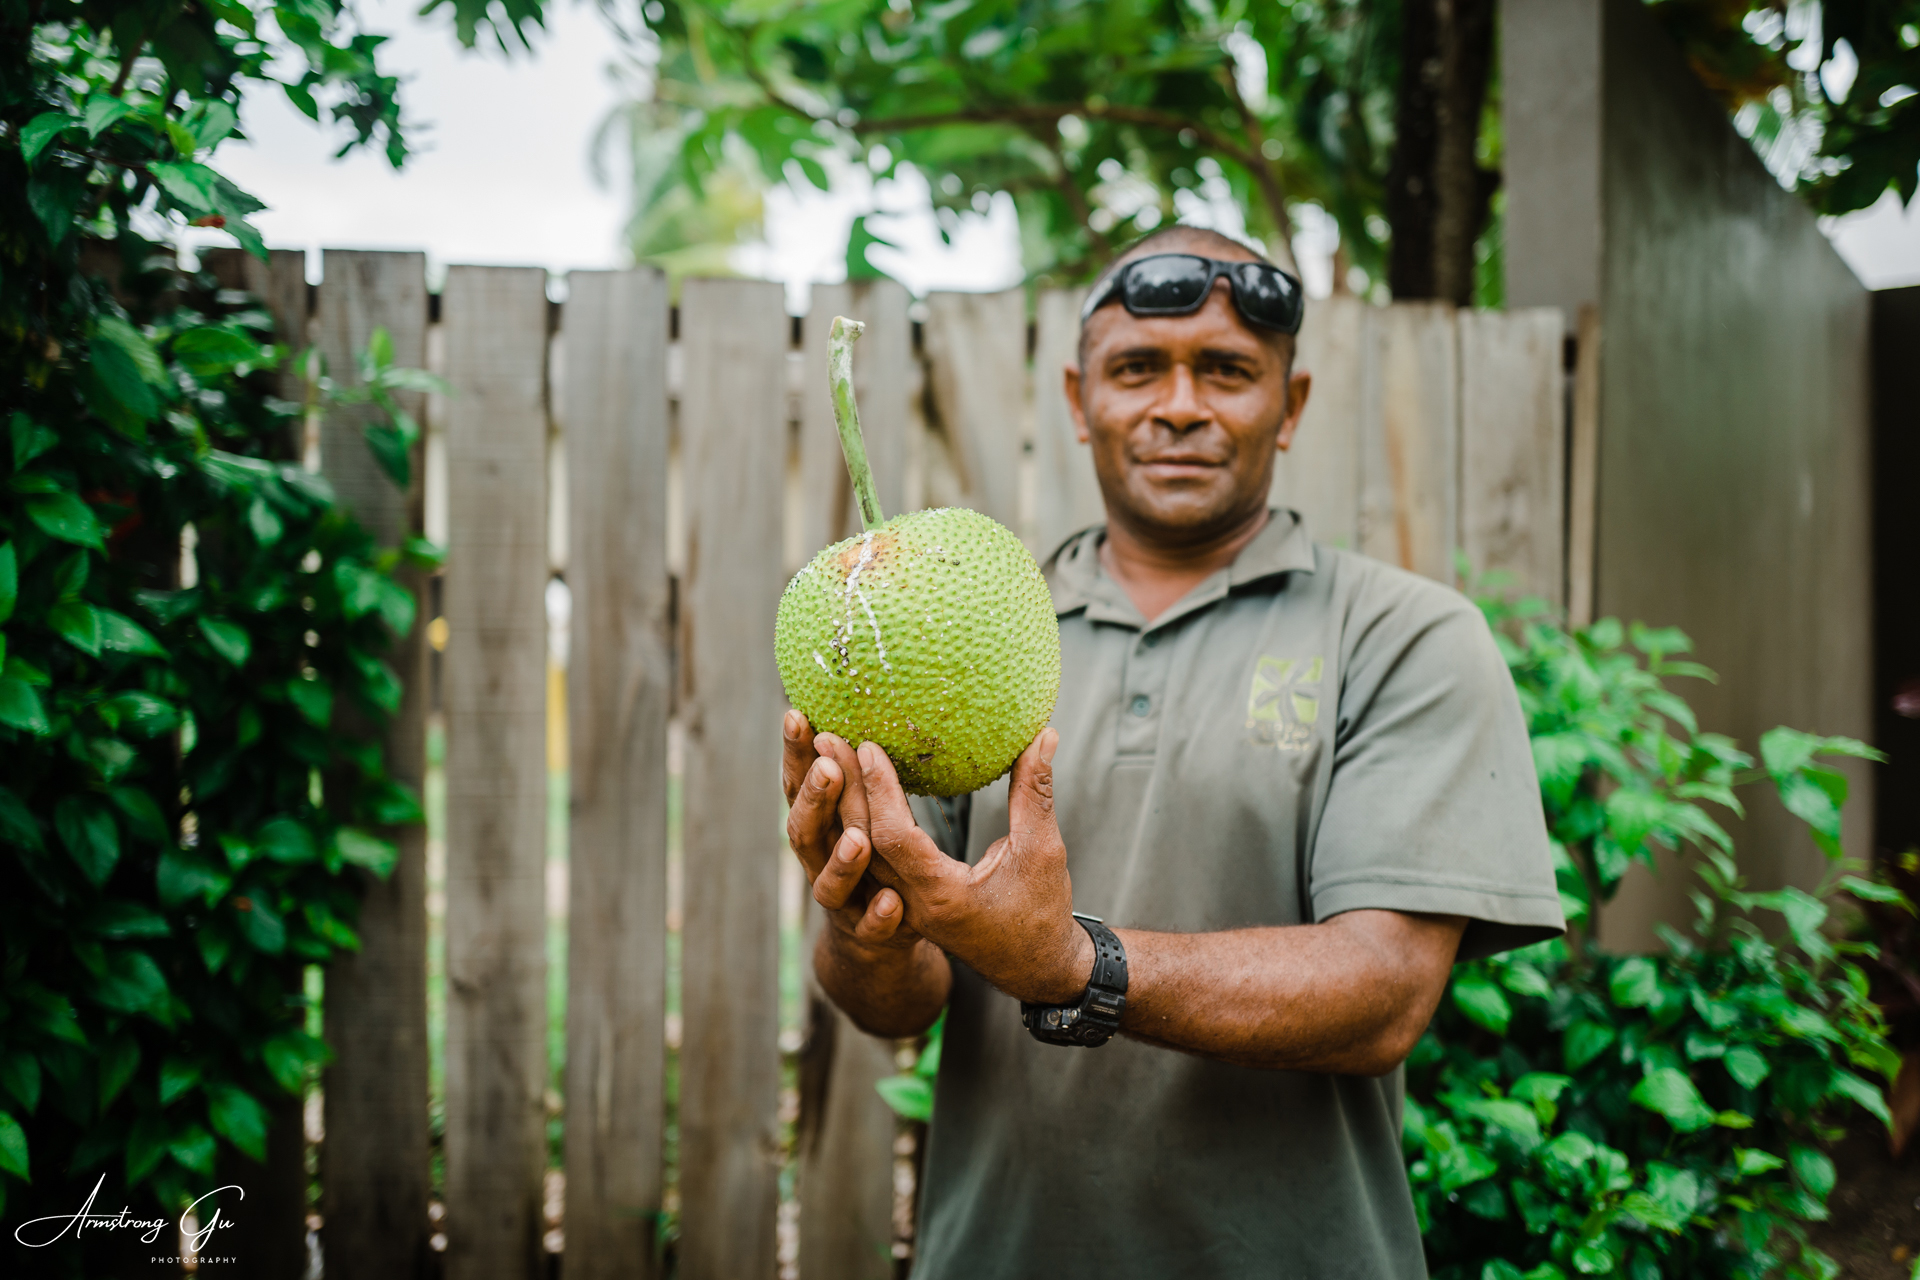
(1030, 792)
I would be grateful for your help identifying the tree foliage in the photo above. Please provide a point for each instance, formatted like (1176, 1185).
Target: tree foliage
(1575, 1111)
(1100, 119)
(1782, 68)
(191, 627)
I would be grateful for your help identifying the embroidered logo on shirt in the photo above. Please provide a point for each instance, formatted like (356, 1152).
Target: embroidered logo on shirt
(1284, 702)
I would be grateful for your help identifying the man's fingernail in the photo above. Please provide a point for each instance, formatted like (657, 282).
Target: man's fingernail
(790, 725)
(848, 851)
(884, 907)
(1049, 743)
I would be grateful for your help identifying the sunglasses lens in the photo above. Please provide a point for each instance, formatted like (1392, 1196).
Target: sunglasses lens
(1167, 283)
(1266, 295)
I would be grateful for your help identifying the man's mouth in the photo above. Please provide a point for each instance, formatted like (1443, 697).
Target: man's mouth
(1179, 465)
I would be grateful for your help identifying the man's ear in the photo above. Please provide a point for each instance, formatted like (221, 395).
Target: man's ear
(1070, 383)
(1299, 386)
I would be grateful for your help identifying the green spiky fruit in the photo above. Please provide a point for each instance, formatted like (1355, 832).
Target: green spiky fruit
(932, 635)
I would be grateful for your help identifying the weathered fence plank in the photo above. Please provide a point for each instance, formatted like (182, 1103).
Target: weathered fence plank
(976, 344)
(281, 285)
(375, 1186)
(494, 693)
(846, 1150)
(1319, 476)
(881, 370)
(618, 688)
(1512, 447)
(1066, 493)
(733, 415)
(1410, 436)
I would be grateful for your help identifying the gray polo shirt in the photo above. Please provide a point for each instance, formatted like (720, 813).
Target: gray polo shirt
(1307, 732)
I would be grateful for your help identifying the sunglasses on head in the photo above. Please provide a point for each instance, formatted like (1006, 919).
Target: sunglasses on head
(1177, 284)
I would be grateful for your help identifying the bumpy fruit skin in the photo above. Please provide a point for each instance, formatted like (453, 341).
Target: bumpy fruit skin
(933, 636)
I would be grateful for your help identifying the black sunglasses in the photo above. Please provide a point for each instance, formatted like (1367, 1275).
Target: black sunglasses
(1177, 284)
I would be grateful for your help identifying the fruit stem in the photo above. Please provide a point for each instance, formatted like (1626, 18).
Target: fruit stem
(846, 416)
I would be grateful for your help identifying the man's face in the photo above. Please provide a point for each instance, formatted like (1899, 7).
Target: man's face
(1184, 415)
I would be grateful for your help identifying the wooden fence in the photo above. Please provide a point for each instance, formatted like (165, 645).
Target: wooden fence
(673, 466)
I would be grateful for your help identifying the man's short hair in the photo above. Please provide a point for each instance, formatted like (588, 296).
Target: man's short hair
(1177, 238)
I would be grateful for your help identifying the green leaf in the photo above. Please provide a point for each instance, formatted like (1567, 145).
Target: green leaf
(210, 121)
(20, 1077)
(177, 1075)
(396, 605)
(211, 349)
(1746, 1065)
(13, 1148)
(1813, 1168)
(87, 829)
(42, 129)
(1635, 984)
(1750, 1161)
(1524, 980)
(103, 109)
(265, 523)
(1482, 1001)
(1669, 1092)
(229, 640)
(289, 1055)
(20, 707)
(1585, 1041)
(364, 850)
(1733, 1120)
(1844, 1084)
(192, 186)
(54, 196)
(64, 516)
(122, 919)
(313, 699)
(77, 624)
(910, 1096)
(1873, 891)
(193, 1147)
(1593, 1258)
(146, 1145)
(185, 874)
(133, 983)
(285, 840)
(121, 634)
(260, 924)
(9, 580)
(116, 1066)
(239, 1118)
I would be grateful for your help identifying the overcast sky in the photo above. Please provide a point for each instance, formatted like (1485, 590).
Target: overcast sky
(503, 175)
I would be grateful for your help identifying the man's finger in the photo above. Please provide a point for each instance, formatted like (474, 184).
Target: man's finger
(1032, 829)
(796, 752)
(898, 842)
(882, 919)
(838, 879)
(813, 823)
(853, 795)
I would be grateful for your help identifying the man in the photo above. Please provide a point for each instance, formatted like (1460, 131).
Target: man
(1294, 782)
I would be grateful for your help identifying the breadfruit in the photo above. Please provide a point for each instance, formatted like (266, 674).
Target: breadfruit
(933, 636)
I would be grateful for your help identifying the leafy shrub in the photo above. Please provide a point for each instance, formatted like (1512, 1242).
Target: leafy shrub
(193, 777)
(1574, 1112)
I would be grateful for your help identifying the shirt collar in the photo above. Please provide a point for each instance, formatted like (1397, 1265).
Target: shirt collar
(1079, 581)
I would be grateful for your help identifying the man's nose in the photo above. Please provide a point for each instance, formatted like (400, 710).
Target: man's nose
(1181, 409)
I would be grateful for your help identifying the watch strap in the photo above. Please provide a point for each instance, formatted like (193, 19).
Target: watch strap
(1093, 1018)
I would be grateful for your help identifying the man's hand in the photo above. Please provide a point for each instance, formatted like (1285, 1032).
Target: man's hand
(882, 974)
(1010, 916)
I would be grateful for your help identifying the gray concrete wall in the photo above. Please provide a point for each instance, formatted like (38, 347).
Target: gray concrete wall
(1733, 441)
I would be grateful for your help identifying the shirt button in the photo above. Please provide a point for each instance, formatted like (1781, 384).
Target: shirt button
(1141, 704)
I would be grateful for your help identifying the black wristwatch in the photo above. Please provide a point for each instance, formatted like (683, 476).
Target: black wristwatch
(1094, 1018)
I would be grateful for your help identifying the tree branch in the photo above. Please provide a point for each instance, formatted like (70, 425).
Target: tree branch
(1264, 175)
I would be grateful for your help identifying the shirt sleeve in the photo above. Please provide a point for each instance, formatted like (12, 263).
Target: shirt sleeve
(1433, 805)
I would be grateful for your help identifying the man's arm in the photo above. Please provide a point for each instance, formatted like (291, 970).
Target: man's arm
(1349, 995)
(887, 978)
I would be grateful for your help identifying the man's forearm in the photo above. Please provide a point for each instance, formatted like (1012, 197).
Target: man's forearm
(1351, 995)
(887, 991)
